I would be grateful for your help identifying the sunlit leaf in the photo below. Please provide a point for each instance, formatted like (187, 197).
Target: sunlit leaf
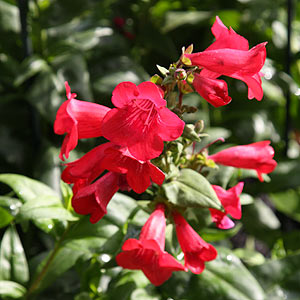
(11, 289)
(5, 217)
(26, 188)
(13, 263)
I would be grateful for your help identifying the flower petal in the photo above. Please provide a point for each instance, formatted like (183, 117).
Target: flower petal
(226, 38)
(169, 124)
(123, 93)
(87, 167)
(79, 119)
(94, 198)
(231, 61)
(149, 90)
(214, 91)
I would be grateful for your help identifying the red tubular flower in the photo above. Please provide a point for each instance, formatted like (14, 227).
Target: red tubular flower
(147, 254)
(257, 156)
(115, 159)
(230, 55)
(125, 172)
(141, 120)
(79, 119)
(93, 199)
(231, 203)
(196, 250)
(213, 91)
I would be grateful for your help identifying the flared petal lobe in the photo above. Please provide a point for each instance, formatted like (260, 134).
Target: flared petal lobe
(257, 156)
(196, 250)
(79, 119)
(226, 38)
(140, 121)
(147, 254)
(214, 91)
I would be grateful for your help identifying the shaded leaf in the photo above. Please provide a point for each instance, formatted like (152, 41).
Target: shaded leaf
(280, 277)
(225, 278)
(288, 202)
(191, 189)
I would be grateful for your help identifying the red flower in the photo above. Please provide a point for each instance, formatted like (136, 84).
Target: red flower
(141, 120)
(230, 55)
(213, 90)
(196, 250)
(125, 172)
(231, 203)
(147, 253)
(257, 156)
(93, 199)
(115, 159)
(79, 119)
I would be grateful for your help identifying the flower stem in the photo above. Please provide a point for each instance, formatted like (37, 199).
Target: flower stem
(35, 284)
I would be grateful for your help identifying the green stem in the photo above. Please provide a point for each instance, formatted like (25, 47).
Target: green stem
(34, 286)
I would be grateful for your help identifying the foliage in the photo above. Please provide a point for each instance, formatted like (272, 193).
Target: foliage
(45, 247)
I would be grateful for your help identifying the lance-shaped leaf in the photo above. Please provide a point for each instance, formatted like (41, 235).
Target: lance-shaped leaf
(26, 188)
(191, 189)
(13, 263)
(45, 207)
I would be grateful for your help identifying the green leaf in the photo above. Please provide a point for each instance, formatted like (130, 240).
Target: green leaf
(67, 194)
(11, 204)
(225, 278)
(280, 276)
(45, 207)
(5, 217)
(288, 202)
(11, 289)
(119, 209)
(30, 67)
(9, 17)
(26, 188)
(64, 259)
(176, 19)
(213, 234)
(191, 189)
(13, 263)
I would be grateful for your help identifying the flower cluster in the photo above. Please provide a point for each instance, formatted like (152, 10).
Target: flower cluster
(136, 129)
(141, 128)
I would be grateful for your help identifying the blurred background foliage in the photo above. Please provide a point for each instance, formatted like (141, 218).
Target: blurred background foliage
(94, 45)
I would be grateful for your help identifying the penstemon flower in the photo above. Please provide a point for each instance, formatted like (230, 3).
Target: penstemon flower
(79, 119)
(125, 172)
(257, 156)
(231, 203)
(229, 55)
(141, 121)
(196, 250)
(147, 253)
